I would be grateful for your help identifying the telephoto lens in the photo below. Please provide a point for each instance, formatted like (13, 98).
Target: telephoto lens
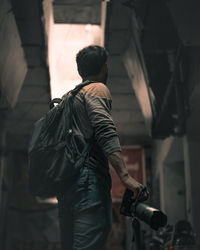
(151, 216)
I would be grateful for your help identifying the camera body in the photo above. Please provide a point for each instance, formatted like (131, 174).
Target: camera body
(151, 216)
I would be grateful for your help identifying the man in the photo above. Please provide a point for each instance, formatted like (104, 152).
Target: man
(85, 209)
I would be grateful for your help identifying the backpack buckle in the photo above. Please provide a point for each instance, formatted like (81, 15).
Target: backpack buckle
(70, 131)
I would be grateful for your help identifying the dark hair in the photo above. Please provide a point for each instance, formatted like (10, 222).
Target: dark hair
(90, 60)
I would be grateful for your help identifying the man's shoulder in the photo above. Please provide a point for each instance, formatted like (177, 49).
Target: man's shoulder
(97, 89)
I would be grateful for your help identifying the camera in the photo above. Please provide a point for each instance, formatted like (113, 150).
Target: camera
(135, 209)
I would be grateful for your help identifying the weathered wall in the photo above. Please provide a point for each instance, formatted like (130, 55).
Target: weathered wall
(13, 69)
(176, 160)
(29, 224)
(13, 66)
(192, 140)
(25, 223)
(168, 164)
(192, 153)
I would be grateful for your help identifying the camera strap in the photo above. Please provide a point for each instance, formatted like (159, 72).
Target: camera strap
(135, 221)
(142, 190)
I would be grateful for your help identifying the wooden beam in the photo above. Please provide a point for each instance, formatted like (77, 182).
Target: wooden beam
(81, 13)
(135, 71)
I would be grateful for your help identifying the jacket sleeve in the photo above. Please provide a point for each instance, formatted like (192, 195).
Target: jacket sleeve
(98, 106)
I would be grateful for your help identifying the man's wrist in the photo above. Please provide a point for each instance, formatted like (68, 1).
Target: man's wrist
(126, 178)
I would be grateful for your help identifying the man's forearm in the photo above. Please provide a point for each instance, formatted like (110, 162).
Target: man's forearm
(117, 162)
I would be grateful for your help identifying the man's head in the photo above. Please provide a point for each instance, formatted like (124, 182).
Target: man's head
(91, 63)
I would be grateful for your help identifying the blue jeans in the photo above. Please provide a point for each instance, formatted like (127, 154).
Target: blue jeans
(85, 213)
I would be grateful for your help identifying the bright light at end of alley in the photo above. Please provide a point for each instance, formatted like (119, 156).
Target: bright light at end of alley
(66, 40)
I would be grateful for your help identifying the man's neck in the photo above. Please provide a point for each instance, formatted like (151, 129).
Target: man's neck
(92, 78)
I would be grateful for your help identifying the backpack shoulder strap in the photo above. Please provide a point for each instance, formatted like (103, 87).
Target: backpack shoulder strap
(73, 93)
(80, 86)
(55, 100)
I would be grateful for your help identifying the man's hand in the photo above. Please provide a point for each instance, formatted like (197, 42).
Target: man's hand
(117, 162)
(136, 187)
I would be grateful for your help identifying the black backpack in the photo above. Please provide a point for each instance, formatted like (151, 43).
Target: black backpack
(56, 153)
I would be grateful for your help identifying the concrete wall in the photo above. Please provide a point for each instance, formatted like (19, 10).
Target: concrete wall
(192, 158)
(168, 164)
(24, 98)
(13, 69)
(192, 141)
(29, 224)
(176, 160)
(2, 171)
(13, 66)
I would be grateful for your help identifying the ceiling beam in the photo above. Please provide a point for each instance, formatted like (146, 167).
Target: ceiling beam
(132, 62)
(83, 12)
